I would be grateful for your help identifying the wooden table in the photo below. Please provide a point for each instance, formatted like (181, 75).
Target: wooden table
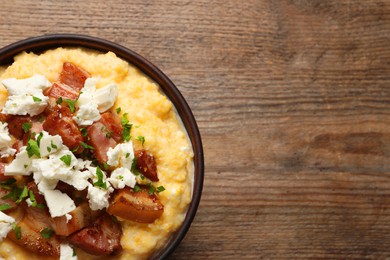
(293, 102)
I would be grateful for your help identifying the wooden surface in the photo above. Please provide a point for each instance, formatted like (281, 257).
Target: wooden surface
(293, 102)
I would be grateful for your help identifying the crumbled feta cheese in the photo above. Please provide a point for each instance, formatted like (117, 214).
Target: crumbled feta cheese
(122, 177)
(68, 217)
(105, 97)
(5, 225)
(43, 183)
(25, 96)
(92, 102)
(49, 144)
(54, 167)
(78, 179)
(87, 114)
(121, 155)
(21, 165)
(5, 141)
(66, 252)
(98, 197)
(58, 203)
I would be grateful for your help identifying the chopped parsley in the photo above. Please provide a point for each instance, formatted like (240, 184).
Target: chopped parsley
(6, 184)
(70, 104)
(17, 231)
(48, 149)
(22, 195)
(75, 149)
(136, 188)
(33, 148)
(53, 145)
(14, 194)
(118, 110)
(46, 233)
(126, 128)
(4, 206)
(100, 183)
(105, 165)
(86, 146)
(39, 138)
(160, 189)
(36, 99)
(59, 101)
(67, 159)
(32, 198)
(151, 189)
(127, 155)
(134, 166)
(141, 139)
(26, 127)
(74, 252)
(84, 131)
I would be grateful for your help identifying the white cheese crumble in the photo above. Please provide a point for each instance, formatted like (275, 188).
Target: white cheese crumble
(5, 141)
(5, 225)
(21, 165)
(122, 177)
(66, 252)
(92, 102)
(98, 197)
(55, 167)
(49, 144)
(25, 96)
(121, 155)
(58, 203)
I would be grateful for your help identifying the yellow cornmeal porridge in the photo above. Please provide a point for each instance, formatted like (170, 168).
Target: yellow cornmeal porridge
(147, 108)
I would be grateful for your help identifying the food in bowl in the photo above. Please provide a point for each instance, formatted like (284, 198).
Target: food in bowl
(94, 160)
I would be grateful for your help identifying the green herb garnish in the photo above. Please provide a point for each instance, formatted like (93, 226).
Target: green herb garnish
(53, 145)
(4, 206)
(17, 231)
(22, 195)
(136, 188)
(59, 100)
(33, 148)
(151, 189)
(67, 159)
(126, 128)
(118, 110)
(84, 131)
(70, 104)
(141, 139)
(46, 233)
(36, 99)
(26, 127)
(160, 189)
(86, 146)
(100, 183)
(39, 138)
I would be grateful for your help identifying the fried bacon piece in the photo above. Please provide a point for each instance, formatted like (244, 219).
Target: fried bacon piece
(146, 164)
(73, 76)
(101, 238)
(136, 206)
(105, 133)
(15, 124)
(56, 124)
(61, 90)
(82, 216)
(31, 239)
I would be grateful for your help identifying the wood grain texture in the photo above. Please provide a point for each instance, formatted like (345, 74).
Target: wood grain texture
(293, 102)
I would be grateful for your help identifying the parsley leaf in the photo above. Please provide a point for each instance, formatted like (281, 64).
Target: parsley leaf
(127, 155)
(33, 148)
(84, 131)
(74, 252)
(136, 188)
(17, 231)
(126, 128)
(67, 159)
(26, 127)
(100, 183)
(53, 145)
(59, 100)
(86, 146)
(46, 233)
(4, 206)
(141, 139)
(151, 189)
(118, 110)
(14, 194)
(32, 199)
(133, 168)
(36, 99)
(39, 138)
(70, 104)
(6, 184)
(22, 195)
(160, 189)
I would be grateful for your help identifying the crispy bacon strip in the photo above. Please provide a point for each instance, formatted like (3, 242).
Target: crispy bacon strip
(73, 76)
(56, 124)
(136, 206)
(61, 90)
(146, 164)
(100, 141)
(101, 238)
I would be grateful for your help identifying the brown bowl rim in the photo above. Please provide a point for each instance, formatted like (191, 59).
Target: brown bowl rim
(50, 41)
